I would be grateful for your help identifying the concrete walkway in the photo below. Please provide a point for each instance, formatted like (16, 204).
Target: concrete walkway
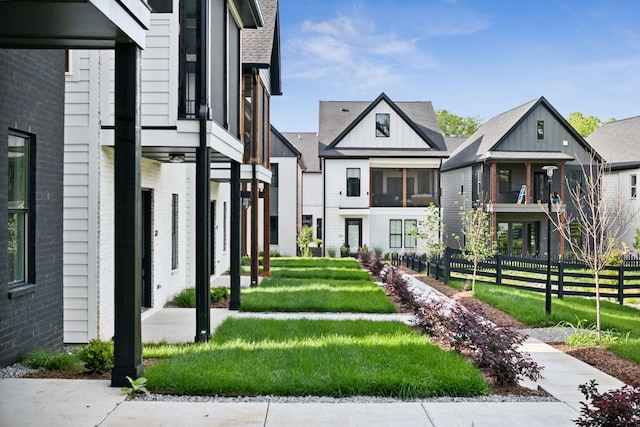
(36, 402)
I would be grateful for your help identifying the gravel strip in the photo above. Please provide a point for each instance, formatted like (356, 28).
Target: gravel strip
(555, 334)
(152, 397)
(17, 370)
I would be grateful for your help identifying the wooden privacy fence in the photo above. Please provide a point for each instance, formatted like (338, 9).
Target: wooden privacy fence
(568, 277)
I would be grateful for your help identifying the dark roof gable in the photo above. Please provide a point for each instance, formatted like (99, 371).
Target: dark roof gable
(428, 135)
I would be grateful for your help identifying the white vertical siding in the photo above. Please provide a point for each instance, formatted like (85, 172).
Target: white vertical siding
(400, 134)
(287, 205)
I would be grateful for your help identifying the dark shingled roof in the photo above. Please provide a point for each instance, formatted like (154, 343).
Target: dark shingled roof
(307, 144)
(496, 129)
(337, 118)
(618, 142)
(261, 46)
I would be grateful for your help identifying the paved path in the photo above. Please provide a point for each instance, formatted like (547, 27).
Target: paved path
(39, 402)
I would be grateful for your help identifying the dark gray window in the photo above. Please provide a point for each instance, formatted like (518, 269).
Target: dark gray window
(273, 230)
(19, 170)
(174, 231)
(395, 233)
(540, 130)
(274, 175)
(383, 121)
(161, 6)
(634, 186)
(505, 180)
(353, 182)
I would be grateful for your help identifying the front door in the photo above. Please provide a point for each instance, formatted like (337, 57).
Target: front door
(147, 226)
(353, 231)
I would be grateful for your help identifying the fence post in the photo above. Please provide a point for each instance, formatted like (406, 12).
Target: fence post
(560, 279)
(621, 283)
(447, 265)
(498, 269)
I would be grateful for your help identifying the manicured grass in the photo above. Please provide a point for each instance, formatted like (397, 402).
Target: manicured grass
(316, 295)
(345, 263)
(629, 349)
(322, 358)
(335, 273)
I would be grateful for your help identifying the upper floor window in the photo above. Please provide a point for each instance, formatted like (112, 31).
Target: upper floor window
(634, 186)
(18, 204)
(161, 6)
(575, 181)
(540, 130)
(274, 175)
(189, 70)
(383, 121)
(505, 180)
(353, 182)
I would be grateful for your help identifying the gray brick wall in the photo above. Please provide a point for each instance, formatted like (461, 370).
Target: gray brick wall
(32, 101)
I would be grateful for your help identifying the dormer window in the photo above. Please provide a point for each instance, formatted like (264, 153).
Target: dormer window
(540, 130)
(382, 125)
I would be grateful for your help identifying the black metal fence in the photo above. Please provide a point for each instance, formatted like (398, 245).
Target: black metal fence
(568, 277)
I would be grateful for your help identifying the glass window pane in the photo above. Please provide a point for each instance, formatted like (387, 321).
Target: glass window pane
(382, 124)
(516, 242)
(16, 248)
(18, 172)
(410, 241)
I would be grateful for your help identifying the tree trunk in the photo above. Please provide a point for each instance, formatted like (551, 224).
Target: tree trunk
(597, 280)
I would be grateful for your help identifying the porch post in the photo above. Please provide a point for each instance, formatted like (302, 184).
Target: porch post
(127, 360)
(529, 197)
(235, 236)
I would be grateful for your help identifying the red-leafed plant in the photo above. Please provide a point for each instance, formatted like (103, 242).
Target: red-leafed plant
(615, 408)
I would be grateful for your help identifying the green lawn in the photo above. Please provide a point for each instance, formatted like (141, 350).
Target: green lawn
(347, 263)
(307, 357)
(316, 295)
(336, 273)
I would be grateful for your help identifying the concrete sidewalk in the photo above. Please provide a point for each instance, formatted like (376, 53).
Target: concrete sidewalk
(36, 402)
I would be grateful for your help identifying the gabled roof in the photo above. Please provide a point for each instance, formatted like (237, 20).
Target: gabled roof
(488, 137)
(261, 46)
(307, 144)
(291, 151)
(618, 142)
(338, 118)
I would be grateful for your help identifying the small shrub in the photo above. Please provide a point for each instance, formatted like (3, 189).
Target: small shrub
(364, 256)
(139, 385)
(331, 252)
(219, 293)
(97, 355)
(51, 360)
(378, 251)
(586, 335)
(619, 407)
(375, 265)
(185, 299)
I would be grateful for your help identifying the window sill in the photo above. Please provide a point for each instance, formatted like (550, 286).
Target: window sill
(22, 290)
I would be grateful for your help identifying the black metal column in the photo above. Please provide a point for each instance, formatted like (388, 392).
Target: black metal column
(236, 235)
(128, 219)
(255, 265)
(547, 293)
(203, 191)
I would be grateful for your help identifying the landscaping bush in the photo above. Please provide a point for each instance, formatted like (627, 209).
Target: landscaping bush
(97, 356)
(364, 256)
(375, 265)
(492, 348)
(51, 360)
(619, 407)
(219, 293)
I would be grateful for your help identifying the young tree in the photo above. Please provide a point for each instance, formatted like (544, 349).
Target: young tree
(603, 220)
(430, 231)
(453, 125)
(478, 242)
(304, 239)
(636, 243)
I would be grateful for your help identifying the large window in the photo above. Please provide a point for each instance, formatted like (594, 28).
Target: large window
(388, 184)
(575, 180)
(353, 182)
(383, 122)
(395, 233)
(410, 241)
(634, 186)
(505, 180)
(273, 230)
(18, 203)
(274, 175)
(518, 238)
(174, 231)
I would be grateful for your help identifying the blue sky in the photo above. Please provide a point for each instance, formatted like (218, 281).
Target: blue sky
(470, 57)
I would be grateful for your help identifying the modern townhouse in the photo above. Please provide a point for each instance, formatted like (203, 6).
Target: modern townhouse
(32, 94)
(380, 168)
(619, 144)
(287, 168)
(501, 168)
(312, 188)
